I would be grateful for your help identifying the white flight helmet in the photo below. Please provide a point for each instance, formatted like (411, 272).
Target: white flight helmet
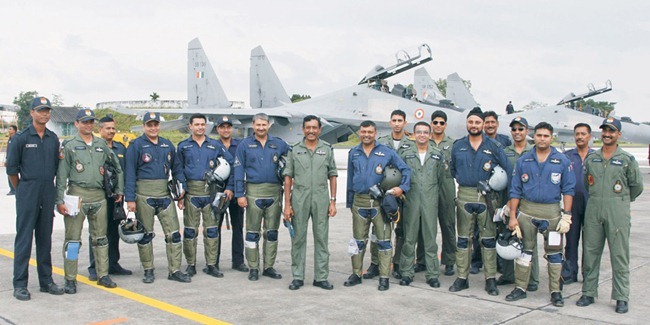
(499, 179)
(509, 247)
(222, 171)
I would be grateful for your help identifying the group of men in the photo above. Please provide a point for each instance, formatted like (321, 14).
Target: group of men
(393, 180)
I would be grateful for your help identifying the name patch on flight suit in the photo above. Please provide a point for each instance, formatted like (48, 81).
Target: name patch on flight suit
(80, 148)
(252, 146)
(618, 187)
(31, 145)
(555, 178)
(320, 152)
(597, 160)
(510, 154)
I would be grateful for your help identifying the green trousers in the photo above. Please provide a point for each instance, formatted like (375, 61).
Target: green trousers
(366, 211)
(607, 219)
(509, 265)
(263, 213)
(532, 217)
(93, 207)
(316, 207)
(470, 208)
(152, 199)
(198, 206)
(420, 217)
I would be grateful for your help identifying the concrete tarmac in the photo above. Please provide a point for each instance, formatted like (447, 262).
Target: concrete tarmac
(236, 300)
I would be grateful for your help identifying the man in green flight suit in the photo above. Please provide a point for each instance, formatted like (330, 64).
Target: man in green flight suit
(81, 172)
(613, 181)
(310, 163)
(420, 215)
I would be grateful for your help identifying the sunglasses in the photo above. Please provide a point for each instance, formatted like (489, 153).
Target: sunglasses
(438, 122)
(517, 129)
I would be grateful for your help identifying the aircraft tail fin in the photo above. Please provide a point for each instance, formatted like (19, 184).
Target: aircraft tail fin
(427, 90)
(266, 90)
(203, 87)
(458, 93)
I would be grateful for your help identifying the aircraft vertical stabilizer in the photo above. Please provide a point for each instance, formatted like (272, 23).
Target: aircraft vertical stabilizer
(266, 90)
(203, 87)
(427, 91)
(458, 93)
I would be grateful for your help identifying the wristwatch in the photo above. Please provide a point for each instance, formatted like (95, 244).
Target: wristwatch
(333, 198)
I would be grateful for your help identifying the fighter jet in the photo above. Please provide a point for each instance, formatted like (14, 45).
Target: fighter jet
(563, 117)
(341, 111)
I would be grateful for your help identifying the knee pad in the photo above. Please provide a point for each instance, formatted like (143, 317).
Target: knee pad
(251, 239)
(211, 232)
(101, 241)
(462, 242)
(555, 258)
(541, 225)
(477, 208)
(525, 258)
(384, 245)
(173, 238)
(189, 233)
(72, 250)
(272, 235)
(200, 202)
(264, 203)
(361, 244)
(489, 242)
(146, 239)
(367, 213)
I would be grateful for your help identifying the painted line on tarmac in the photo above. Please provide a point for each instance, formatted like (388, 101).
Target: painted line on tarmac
(178, 311)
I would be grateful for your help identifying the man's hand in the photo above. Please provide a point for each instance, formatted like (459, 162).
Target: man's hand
(118, 198)
(62, 209)
(242, 202)
(181, 204)
(397, 191)
(565, 223)
(130, 206)
(229, 194)
(332, 209)
(288, 213)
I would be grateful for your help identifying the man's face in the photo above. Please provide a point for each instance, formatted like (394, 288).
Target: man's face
(474, 125)
(543, 139)
(311, 130)
(609, 135)
(11, 132)
(225, 131)
(582, 136)
(42, 116)
(261, 127)
(151, 129)
(397, 123)
(491, 126)
(197, 127)
(438, 125)
(422, 134)
(367, 134)
(85, 127)
(107, 131)
(518, 132)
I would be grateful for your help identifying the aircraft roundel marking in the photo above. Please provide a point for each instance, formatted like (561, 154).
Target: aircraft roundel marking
(419, 113)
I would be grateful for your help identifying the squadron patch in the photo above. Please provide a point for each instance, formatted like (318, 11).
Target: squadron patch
(211, 164)
(236, 163)
(555, 178)
(79, 167)
(487, 166)
(146, 157)
(101, 170)
(379, 170)
(61, 154)
(524, 178)
(590, 179)
(445, 148)
(275, 158)
(618, 187)
(169, 156)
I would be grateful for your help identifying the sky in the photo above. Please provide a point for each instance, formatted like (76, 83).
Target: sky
(98, 51)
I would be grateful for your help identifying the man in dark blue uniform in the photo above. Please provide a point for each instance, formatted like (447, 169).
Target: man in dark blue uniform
(258, 189)
(149, 161)
(107, 131)
(582, 135)
(541, 179)
(472, 160)
(199, 155)
(236, 214)
(366, 163)
(31, 165)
